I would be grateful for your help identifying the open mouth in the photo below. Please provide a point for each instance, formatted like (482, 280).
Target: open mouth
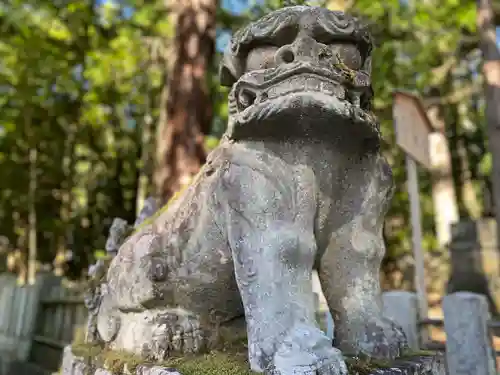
(251, 97)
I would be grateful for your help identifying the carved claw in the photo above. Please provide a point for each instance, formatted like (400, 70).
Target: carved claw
(335, 367)
(307, 351)
(177, 332)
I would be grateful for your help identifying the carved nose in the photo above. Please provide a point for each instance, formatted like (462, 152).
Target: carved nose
(285, 55)
(302, 49)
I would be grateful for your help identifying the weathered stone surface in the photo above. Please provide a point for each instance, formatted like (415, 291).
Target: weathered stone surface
(469, 349)
(118, 232)
(67, 361)
(80, 368)
(156, 370)
(418, 365)
(298, 182)
(101, 371)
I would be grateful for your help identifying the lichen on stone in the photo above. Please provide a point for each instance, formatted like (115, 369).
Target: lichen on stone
(164, 208)
(348, 72)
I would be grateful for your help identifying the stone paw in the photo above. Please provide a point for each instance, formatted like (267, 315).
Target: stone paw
(382, 338)
(335, 366)
(176, 332)
(187, 337)
(338, 368)
(307, 351)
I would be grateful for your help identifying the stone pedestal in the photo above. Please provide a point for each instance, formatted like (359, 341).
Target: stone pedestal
(416, 365)
(411, 365)
(469, 346)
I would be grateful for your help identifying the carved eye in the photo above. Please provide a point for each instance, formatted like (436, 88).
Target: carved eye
(348, 53)
(246, 98)
(261, 58)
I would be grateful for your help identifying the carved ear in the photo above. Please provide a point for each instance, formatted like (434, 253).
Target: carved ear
(368, 65)
(225, 76)
(229, 69)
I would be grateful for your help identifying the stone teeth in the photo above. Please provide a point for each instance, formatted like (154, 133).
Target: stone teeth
(327, 88)
(308, 84)
(312, 84)
(355, 99)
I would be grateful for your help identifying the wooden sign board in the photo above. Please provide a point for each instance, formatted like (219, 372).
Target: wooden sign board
(412, 126)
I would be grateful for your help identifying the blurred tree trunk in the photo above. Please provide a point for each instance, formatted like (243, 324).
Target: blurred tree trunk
(491, 72)
(342, 5)
(32, 193)
(146, 131)
(66, 197)
(443, 188)
(186, 115)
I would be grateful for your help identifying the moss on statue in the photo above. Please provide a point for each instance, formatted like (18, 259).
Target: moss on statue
(173, 199)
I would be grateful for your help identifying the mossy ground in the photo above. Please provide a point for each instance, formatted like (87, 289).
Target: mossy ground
(213, 363)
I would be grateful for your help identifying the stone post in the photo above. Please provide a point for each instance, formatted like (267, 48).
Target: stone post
(402, 307)
(469, 348)
(475, 260)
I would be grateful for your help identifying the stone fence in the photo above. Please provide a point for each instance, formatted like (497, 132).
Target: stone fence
(467, 323)
(36, 323)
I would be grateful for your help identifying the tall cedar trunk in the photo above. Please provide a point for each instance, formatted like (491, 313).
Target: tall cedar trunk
(491, 72)
(144, 172)
(187, 108)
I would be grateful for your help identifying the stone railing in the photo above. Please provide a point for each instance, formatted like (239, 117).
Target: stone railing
(467, 324)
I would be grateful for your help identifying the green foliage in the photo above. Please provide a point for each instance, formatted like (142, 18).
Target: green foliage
(85, 77)
(79, 82)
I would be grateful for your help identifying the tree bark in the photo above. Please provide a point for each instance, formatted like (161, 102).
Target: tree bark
(491, 73)
(187, 108)
(144, 178)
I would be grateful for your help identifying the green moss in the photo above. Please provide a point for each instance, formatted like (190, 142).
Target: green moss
(224, 361)
(228, 356)
(164, 208)
(213, 363)
(364, 365)
(417, 353)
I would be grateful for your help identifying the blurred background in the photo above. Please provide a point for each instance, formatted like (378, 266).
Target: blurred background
(104, 103)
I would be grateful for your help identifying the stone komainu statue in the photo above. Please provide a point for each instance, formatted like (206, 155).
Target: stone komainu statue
(297, 183)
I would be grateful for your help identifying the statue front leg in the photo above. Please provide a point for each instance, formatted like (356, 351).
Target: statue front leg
(270, 232)
(349, 273)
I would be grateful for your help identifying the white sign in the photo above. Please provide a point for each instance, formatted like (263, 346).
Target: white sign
(412, 127)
